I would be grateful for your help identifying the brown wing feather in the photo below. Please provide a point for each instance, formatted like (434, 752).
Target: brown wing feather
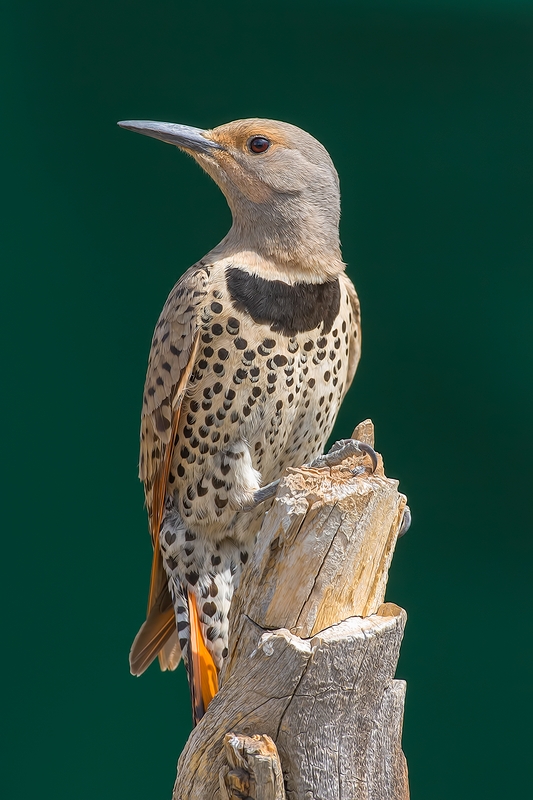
(159, 486)
(153, 634)
(354, 353)
(171, 362)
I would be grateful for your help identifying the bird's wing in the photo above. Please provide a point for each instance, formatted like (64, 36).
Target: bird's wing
(354, 352)
(156, 636)
(170, 364)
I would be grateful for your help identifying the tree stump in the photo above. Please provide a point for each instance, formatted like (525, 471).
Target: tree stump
(308, 689)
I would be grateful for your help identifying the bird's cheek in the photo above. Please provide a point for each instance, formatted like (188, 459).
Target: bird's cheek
(246, 183)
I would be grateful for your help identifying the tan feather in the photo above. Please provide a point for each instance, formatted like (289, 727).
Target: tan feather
(355, 343)
(171, 362)
(170, 654)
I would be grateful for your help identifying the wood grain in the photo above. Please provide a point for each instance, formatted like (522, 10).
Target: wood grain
(313, 653)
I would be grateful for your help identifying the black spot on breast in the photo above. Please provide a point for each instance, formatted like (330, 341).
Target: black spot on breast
(232, 326)
(287, 309)
(209, 609)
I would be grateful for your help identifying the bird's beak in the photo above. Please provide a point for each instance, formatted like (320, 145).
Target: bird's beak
(183, 136)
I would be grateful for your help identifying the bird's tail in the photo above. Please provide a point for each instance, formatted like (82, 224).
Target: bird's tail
(202, 597)
(202, 576)
(201, 669)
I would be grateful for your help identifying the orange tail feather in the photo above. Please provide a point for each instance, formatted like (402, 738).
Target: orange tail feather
(203, 674)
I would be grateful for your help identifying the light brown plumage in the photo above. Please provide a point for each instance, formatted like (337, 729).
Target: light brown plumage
(253, 353)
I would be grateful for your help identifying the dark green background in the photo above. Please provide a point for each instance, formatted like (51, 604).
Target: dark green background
(427, 112)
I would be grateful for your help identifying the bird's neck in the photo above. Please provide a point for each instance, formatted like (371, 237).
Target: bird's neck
(274, 254)
(288, 237)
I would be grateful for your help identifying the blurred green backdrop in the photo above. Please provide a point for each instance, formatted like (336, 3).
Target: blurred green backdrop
(426, 109)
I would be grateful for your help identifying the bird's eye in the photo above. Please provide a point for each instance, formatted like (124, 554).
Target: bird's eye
(258, 144)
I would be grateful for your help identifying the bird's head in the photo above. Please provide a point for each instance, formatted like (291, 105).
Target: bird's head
(281, 187)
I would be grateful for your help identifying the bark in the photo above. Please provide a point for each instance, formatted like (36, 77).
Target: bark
(308, 689)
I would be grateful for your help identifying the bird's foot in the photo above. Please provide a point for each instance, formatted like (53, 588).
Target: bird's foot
(265, 493)
(406, 522)
(343, 449)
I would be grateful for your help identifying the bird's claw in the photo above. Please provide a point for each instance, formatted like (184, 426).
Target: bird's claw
(406, 522)
(265, 493)
(342, 450)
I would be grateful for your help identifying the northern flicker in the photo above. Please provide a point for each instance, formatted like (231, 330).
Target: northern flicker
(251, 358)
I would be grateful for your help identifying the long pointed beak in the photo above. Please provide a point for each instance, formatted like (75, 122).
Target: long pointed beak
(183, 136)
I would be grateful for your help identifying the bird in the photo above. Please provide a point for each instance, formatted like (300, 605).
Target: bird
(252, 355)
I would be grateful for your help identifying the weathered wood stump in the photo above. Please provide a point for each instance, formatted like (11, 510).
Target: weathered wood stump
(308, 690)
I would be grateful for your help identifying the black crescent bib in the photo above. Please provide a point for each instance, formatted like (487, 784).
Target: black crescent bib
(287, 309)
